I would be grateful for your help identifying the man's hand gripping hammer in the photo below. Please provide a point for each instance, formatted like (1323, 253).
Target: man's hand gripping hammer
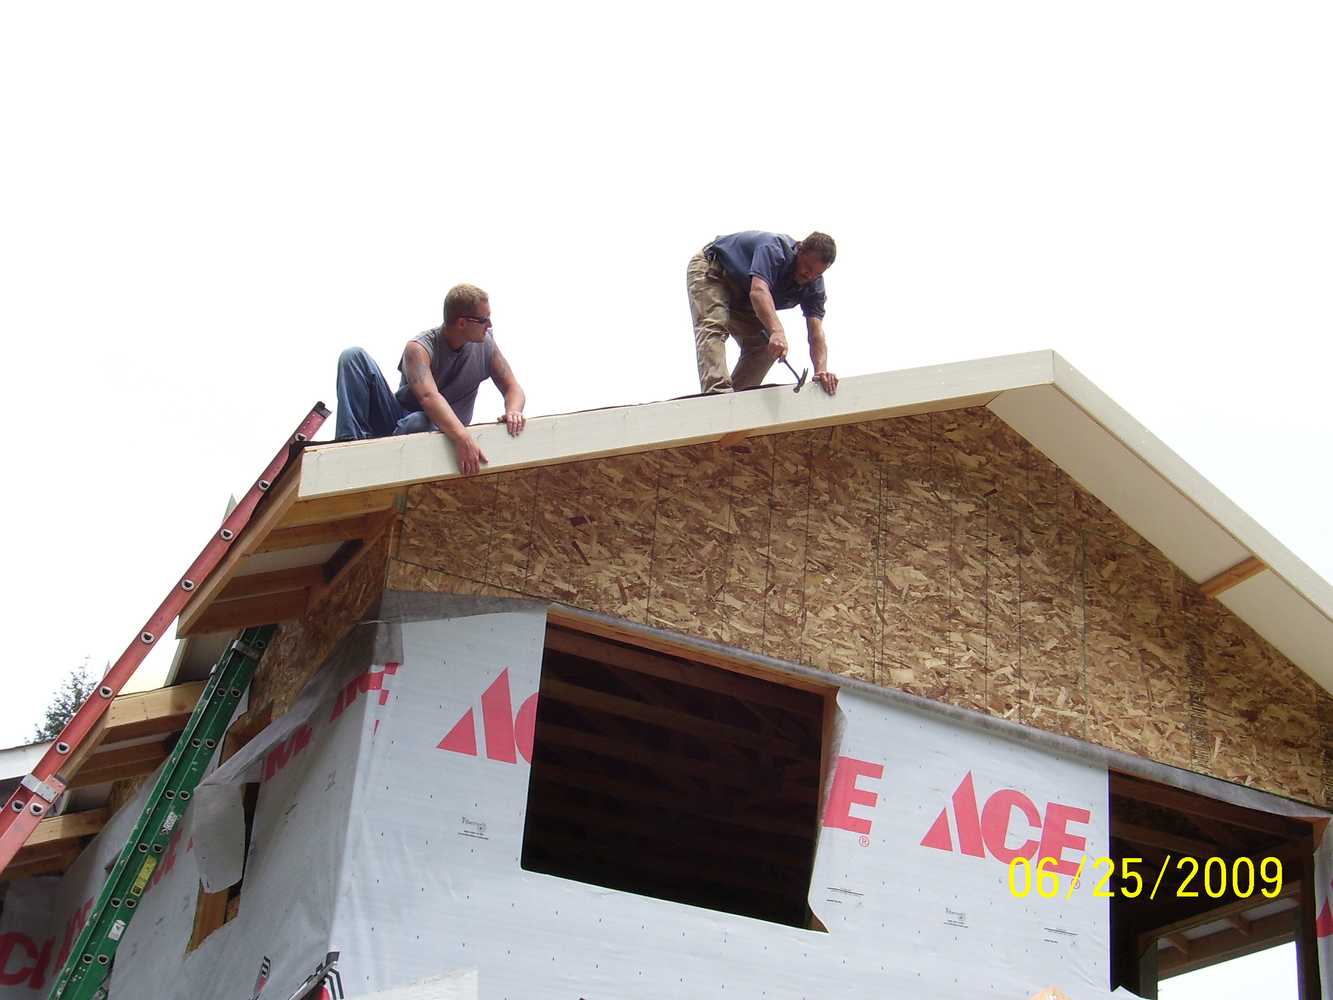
(800, 379)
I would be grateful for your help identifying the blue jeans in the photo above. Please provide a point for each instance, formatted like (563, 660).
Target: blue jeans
(366, 406)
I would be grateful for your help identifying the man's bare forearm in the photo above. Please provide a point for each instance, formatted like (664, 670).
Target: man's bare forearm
(761, 301)
(818, 347)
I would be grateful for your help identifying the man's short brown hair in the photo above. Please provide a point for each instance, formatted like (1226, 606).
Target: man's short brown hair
(463, 300)
(821, 245)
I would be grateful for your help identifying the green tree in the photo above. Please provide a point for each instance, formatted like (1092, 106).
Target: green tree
(73, 692)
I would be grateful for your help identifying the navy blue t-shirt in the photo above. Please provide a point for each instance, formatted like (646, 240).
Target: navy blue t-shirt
(771, 256)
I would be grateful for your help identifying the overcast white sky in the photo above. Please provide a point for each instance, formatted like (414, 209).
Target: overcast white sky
(201, 206)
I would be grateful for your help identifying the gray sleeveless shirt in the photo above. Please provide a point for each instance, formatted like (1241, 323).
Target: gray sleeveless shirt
(457, 373)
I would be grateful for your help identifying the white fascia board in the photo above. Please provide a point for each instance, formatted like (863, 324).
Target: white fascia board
(1143, 498)
(1283, 616)
(1242, 528)
(353, 466)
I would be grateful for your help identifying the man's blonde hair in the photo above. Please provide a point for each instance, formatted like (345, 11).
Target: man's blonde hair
(463, 300)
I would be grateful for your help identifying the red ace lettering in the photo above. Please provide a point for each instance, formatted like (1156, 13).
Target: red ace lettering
(992, 829)
(844, 793)
(507, 737)
(22, 963)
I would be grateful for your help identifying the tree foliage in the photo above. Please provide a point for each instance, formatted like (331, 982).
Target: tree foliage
(72, 693)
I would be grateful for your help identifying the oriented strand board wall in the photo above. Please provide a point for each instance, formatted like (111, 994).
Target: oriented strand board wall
(301, 646)
(940, 554)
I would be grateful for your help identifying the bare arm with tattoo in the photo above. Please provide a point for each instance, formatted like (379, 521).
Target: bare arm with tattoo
(515, 400)
(416, 369)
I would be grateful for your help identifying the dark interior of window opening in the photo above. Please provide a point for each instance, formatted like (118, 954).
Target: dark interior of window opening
(674, 779)
(1209, 848)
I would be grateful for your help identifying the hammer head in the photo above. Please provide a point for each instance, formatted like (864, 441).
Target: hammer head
(805, 374)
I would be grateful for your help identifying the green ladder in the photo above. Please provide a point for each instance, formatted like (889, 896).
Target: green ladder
(89, 964)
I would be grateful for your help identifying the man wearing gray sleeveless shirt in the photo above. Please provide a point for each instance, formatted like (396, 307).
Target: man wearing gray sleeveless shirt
(441, 372)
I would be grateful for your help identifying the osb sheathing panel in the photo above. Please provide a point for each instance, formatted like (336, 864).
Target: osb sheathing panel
(939, 554)
(301, 646)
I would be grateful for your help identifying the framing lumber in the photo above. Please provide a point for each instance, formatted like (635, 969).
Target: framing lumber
(1226, 945)
(1175, 843)
(338, 568)
(1123, 786)
(1290, 889)
(47, 865)
(600, 701)
(271, 511)
(151, 713)
(773, 692)
(70, 826)
(1229, 578)
(210, 913)
(352, 466)
(580, 621)
(121, 763)
(305, 512)
(730, 440)
(347, 529)
(267, 609)
(275, 582)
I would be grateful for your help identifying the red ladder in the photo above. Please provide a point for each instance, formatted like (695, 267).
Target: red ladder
(38, 791)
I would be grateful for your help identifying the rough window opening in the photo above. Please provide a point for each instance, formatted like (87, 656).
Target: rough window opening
(674, 779)
(1208, 847)
(214, 909)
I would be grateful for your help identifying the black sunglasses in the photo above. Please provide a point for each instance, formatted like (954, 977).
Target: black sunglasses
(483, 320)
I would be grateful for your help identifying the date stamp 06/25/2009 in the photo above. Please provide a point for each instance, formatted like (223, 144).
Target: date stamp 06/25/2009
(1213, 878)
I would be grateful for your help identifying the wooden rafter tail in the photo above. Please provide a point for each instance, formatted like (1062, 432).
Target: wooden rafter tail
(1229, 578)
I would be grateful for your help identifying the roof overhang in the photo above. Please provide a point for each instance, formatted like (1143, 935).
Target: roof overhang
(338, 490)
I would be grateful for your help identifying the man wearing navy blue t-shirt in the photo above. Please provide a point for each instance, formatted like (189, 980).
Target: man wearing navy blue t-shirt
(736, 286)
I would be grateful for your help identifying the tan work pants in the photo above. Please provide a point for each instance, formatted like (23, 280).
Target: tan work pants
(717, 315)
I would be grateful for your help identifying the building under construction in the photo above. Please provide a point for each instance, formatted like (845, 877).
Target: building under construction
(956, 684)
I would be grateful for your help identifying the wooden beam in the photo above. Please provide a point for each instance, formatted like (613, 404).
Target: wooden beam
(151, 713)
(1123, 786)
(732, 439)
(224, 616)
(342, 564)
(275, 582)
(1226, 945)
(1229, 578)
(1240, 924)
(581, 621)
(1178, 942)
(358, 466)
(121, 763)
(244, 729)
(52, 865)
(703, 676)
(1175, 843)
(1290, 888)
(273, 508)
(346, 530)
(210, 913)
(70, 826)
(667, 718)
(336, 508)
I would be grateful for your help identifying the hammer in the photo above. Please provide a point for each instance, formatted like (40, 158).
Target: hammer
(805, 372)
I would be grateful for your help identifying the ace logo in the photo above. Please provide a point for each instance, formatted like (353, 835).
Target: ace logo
(507, 736)
(987, 830)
